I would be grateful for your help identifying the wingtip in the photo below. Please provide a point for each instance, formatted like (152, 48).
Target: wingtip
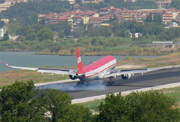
(6, 64)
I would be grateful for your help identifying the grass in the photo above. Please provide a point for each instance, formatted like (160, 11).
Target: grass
(10, 77)
(93, 105)
(172, 92)
(171, 59)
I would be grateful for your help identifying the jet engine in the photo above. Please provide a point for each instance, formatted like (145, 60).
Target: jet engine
(125, 76)
(73, 77)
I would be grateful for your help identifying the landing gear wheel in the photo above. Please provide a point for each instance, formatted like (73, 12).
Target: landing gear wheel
(110, 83)
(80, 83)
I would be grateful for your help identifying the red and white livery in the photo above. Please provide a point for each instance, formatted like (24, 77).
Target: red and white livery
(100, 69)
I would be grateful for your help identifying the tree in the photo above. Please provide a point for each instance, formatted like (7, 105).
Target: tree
(157, 18)
(45, 34)
(24, 102)
(76, 113)
(149, 18)
(1, 24)
(147, 106)
(13, 27)
(99, 31)
(79, 32)
(17, 103)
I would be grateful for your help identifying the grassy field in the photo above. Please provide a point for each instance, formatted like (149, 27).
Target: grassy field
(10, 77)
(172, 92)
(171, 59)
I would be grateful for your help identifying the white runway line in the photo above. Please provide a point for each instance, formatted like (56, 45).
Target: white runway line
(55, 82)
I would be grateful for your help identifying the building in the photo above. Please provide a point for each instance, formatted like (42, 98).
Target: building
(167, 17)
(163, 3)
(5, 6)
(91, 1)
(96, 21)
(172, 25)
(2, 32)
(160, 44)
(85, 20)
(130, 1)
(163, 44)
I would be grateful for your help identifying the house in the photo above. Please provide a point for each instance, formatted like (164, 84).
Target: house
(172, 25)
(106, 18)
(104, 10)
(136, 35)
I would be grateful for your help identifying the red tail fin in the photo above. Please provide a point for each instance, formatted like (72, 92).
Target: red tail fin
(79, 62)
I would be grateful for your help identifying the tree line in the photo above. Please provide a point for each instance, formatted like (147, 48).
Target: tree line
(63, 29)
(115, 38)
(22, 101)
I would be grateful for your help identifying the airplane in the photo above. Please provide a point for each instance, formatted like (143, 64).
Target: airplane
(98, 70)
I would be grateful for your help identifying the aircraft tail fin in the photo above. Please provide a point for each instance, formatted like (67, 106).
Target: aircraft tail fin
(79, 61)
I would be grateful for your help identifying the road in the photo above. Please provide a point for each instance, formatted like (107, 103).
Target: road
(95, 88)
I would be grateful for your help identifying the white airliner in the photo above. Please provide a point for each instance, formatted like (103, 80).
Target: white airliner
(100, 69)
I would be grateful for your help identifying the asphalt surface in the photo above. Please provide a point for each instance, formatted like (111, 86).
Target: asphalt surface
(95, 88)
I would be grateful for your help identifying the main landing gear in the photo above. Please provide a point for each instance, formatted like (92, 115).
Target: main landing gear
(110, 83)
(80, 83)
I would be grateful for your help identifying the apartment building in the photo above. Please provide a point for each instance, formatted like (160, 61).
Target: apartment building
(167, 17)
(78, 16)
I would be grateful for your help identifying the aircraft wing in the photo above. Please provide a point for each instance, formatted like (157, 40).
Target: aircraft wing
(47, 70)
(115, 73)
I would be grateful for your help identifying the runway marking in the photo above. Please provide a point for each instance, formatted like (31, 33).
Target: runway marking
(55, 82)
(93, 98)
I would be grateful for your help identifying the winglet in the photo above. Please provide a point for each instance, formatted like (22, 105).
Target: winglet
(79, 61)
(7, 64)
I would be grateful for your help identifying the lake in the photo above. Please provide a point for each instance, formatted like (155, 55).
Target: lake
(30, 59)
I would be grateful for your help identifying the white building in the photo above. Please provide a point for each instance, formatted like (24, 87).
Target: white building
(2, 32)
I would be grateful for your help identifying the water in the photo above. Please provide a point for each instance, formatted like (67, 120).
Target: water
(30, 59)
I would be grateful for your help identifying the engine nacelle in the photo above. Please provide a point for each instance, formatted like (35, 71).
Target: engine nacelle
(125, 76)
(73, 77)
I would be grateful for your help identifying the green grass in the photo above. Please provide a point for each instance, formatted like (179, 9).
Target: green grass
(93, 105)
(172, 92)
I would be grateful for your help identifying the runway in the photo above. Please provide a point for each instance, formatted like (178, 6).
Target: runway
(95, 88)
